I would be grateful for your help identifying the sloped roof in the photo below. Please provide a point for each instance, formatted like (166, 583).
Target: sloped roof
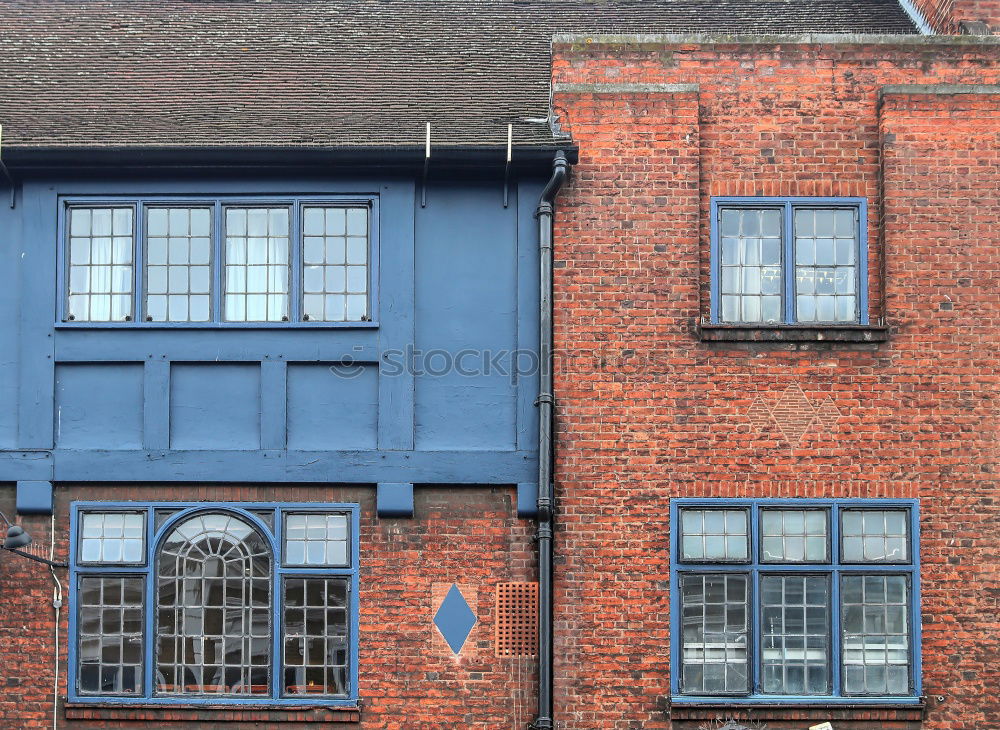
(331, 73)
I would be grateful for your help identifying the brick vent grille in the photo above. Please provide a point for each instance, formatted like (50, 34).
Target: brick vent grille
(517, 619)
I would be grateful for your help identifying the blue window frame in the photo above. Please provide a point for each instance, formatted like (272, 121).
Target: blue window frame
(214, 603)
(218, 261)
(785, 261)
(795, 600)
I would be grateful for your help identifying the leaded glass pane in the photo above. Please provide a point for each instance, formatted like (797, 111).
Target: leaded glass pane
(257, 264)
(793, 536)
(714, 535)
(316, 539)
(795, 634)
(826, 270)
(109, 635)
(315, 654)
(875, 536)
(213, 620)
(99, 276)
(112, 537)
(714, 644)
(750, 264)
(875, 631)
(178, 264)
(335, 253)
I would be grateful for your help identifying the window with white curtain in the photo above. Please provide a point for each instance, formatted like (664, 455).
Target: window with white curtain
(203, 261)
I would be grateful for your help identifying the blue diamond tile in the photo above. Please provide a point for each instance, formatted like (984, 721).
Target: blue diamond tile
(455, 619)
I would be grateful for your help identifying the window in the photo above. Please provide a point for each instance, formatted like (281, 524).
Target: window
(789, 261)
(794, 600)
(223, 603)
(232, 261)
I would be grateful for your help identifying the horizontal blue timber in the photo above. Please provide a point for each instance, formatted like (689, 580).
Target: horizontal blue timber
(264, 465)
(434, 385)
(394, 500)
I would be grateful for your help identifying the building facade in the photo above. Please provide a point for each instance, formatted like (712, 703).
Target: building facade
(276, 392)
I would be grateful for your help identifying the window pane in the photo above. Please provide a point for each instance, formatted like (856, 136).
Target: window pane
(875, 630)
(257, 264)
(750, 264)
(99, 250)
(213, 609)
(714, 644)
(826, 283)
(178, 263)
(315, 653)
(335, 263)
(795, 634)
(875, 536)
(316, 539)
(109, 635)
(710, 534)
(793, 536)
(112, 537)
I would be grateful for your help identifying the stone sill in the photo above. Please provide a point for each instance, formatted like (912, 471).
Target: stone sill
(813, 712)
(862, 333)
(161, 714)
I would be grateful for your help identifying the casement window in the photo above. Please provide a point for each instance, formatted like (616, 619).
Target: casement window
(789, 261)
(215, 261)
(795, 600)
(222, 603)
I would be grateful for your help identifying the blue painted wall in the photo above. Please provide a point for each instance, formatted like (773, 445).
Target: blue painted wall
(457, 286)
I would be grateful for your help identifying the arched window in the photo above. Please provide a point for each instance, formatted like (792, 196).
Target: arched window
(214, 608)
(203, 604)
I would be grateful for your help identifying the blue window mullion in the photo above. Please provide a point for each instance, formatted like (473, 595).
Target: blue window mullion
(788, 263)
(218, 260)
(138, 263)
(916, 679)
(715, 272)
(150, 604)
(277, 621)
(754, 636)
(295, 271)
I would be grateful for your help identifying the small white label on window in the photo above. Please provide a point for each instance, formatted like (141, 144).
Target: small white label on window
(821, 726)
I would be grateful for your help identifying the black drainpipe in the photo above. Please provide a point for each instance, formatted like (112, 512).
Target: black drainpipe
(546, 406)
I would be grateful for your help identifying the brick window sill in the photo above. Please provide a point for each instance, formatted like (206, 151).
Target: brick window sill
(161, 714)
(852, 333)
(818, 712)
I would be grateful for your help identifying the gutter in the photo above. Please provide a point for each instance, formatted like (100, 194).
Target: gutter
(546, 409)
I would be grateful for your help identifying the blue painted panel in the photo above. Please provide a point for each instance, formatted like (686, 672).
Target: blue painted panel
(99, 406)
(332, 406)
(466, 320)
(10, 234)
(394, 500)
(214, 406)
(34, 498)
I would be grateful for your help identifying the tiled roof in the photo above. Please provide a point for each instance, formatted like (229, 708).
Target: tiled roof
(331, 73)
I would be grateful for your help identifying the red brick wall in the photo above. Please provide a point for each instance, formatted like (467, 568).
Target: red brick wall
(649, 412)
(945, 15)
(409, 678)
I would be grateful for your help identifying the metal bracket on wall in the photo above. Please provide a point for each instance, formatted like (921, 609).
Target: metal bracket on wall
(506, 169)
(427, 164)
(6, 172)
